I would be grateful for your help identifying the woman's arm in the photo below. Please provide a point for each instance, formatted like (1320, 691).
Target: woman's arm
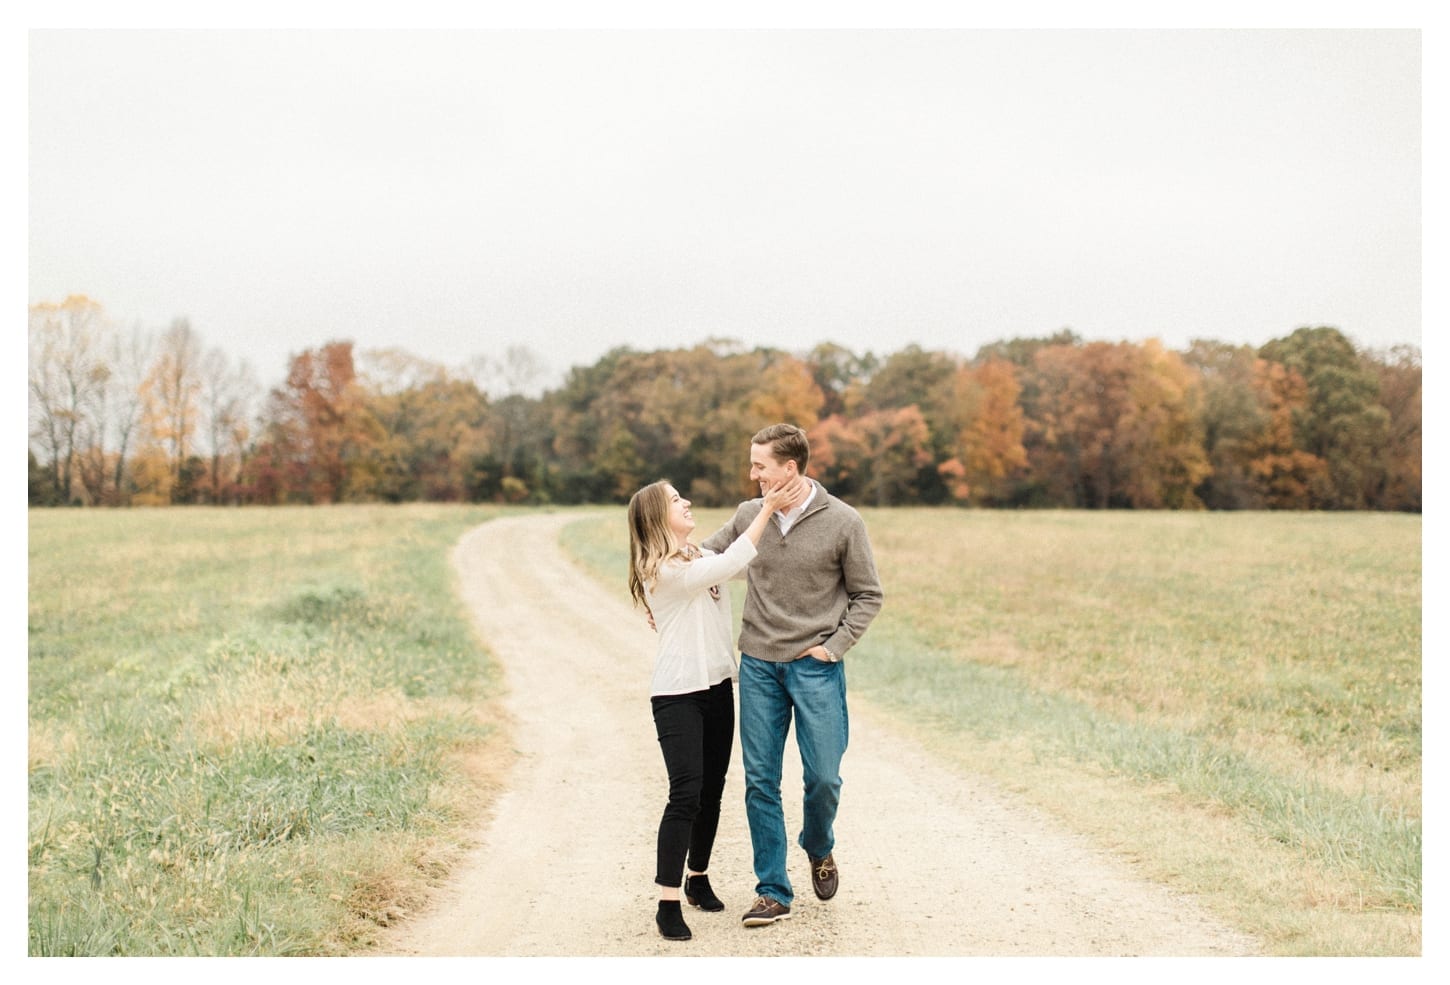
(683, 578)
(688, 577)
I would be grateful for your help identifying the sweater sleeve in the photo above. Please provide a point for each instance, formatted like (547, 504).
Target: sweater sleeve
(691, 577)
(863, 591)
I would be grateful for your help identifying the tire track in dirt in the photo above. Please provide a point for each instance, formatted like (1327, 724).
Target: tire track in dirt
(933, 862)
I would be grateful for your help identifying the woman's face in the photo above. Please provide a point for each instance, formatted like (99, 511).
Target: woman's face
(682, 521)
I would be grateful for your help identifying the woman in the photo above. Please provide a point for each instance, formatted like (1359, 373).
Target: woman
(692, 692)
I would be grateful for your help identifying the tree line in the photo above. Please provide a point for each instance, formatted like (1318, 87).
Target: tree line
(1304, 422)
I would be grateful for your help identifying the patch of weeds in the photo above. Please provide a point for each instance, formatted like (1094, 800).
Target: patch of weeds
(325, 604)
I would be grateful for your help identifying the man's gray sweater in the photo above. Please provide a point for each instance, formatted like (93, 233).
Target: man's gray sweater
(817, 584)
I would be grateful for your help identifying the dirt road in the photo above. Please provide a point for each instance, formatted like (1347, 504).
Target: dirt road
(933, 863)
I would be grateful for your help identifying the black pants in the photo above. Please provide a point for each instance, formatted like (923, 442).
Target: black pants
(695, 731)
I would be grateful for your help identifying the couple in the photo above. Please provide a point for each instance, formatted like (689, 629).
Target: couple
(811, 591)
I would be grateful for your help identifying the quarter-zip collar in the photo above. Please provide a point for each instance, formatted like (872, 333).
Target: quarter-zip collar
(789, 520)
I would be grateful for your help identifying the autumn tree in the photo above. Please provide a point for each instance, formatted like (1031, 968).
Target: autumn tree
(686, 414)
(432, 426)
(116, 415)
(226, 394)
(321, 437)
(67, 386)
(1022, 352)
(1399, 373)
(579, 430)
(1080, 390)
(703, 405)
(695, 405)
(1233, 420)
(1038, 485)
(985, 427)
(512, 466)
(1117, 426)
(1248, 414)
(920, 378)
(1305, 421)
(781, 389)
(1343, 422)
(1162, 458)
(841, 376)
(518, 464)
(912, 375)
(130, 357)
(171, 398)
(876, 456)
(1286, 477)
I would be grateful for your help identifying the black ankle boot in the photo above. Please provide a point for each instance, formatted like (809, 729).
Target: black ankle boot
(671, 923)
(698, 893)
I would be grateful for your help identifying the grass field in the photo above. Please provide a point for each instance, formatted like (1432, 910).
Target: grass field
(1232, 700)
(265, 731)
(251, 731)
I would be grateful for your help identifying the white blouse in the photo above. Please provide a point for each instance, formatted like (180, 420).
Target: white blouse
(696, 646)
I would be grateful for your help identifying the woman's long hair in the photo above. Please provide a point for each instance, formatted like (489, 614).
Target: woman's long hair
(651, 542)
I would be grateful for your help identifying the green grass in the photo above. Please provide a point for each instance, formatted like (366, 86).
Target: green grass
(251, 731)
(262, 731)
(1233, 700)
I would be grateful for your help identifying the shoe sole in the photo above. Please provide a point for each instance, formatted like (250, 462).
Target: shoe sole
(763, 921)
(702, 906)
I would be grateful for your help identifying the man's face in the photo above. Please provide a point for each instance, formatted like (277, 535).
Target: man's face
(766, 470)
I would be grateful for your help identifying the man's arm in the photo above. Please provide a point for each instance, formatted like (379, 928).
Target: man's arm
(863, 593)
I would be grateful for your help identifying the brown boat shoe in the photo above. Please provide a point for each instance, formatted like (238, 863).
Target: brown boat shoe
(825, 879)
(765, 910)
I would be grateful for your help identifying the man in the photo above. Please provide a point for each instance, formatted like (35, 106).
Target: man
(810, 594)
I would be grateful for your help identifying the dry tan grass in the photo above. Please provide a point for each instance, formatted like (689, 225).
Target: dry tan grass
(1254, 874)
(404, 870)
(50, 745)
(272, 710)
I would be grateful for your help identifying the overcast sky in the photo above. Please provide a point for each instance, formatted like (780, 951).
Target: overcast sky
(455, 193)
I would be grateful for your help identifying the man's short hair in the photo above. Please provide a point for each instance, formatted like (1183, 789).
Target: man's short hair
(787, 442)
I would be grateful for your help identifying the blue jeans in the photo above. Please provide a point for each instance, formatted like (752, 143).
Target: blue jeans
(769, 692)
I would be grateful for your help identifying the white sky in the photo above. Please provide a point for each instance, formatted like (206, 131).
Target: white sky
(456, 192)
